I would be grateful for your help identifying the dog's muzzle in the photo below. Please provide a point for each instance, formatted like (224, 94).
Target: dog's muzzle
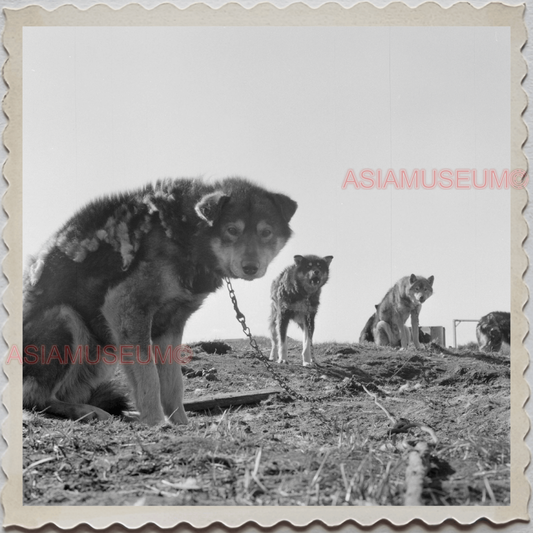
(250, 268)
(315, 280)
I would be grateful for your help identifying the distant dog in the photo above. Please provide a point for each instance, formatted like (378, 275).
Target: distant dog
(493, 332)
(296, 296)
(123, 275)
(387, 325)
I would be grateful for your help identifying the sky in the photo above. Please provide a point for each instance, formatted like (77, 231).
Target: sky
(294, 109)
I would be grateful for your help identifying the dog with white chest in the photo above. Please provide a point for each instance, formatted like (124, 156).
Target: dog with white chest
(128, 271)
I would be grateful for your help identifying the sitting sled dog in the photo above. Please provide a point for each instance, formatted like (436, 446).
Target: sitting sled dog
(296, 296)
(126, 272)
(386, 327)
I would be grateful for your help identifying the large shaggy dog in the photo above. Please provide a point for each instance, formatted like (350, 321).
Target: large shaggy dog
(120, 279)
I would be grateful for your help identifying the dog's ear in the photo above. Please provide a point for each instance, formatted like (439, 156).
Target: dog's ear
(210, 206)
(328, 259)
(298, 259)
(412, 279)
(430, 280)
(285, 205)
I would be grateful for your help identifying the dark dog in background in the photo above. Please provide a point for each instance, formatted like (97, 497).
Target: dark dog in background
(127, 271)
(493, 332)
(367, 334)
(296, 296)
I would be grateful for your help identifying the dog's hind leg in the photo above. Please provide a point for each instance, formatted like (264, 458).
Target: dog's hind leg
(383, 334)
(63, 383)
(282, 326)
(274, 334)
(308, 327)
(73, 411)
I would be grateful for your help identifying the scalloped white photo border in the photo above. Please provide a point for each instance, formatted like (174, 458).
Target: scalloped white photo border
(396, 14)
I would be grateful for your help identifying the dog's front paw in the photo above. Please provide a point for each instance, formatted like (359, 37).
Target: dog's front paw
(131, 416)
(151, 420)
(283, 361)
(89, 413)
(179, 417)
(308, 363)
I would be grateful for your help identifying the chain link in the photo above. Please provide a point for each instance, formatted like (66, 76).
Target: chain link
(282, 380)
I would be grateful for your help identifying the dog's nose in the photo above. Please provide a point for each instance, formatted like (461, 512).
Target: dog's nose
(250, 267)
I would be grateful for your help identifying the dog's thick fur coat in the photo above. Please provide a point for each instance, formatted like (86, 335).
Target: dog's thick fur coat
(296, 296)
(126, 272)
(386, 327)
(493, 332)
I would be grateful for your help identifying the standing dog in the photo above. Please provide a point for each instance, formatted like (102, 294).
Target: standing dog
(493, 332)
(387, 325)
(296, 296)
(122, 277)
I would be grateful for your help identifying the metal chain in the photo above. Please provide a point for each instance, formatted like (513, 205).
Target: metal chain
(282, 380)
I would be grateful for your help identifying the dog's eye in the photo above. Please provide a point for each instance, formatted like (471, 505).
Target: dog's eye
(265, 233)
(233, 231)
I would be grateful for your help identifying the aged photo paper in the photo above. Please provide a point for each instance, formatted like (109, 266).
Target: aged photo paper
(398, 132)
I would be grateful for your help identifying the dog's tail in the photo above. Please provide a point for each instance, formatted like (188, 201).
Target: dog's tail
(109, 397)
(367, 335)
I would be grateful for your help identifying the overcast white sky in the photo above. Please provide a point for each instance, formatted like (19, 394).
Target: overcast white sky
(107, 109)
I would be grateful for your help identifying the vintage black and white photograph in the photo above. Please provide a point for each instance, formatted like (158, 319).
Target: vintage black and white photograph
(267, 265)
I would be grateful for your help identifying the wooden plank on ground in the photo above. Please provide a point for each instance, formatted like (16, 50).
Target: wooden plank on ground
(228, 399)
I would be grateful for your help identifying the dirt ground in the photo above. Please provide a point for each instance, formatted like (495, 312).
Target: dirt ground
(281, 451)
